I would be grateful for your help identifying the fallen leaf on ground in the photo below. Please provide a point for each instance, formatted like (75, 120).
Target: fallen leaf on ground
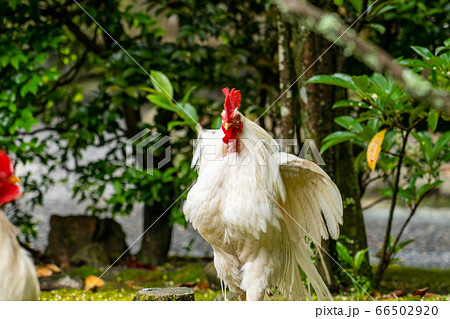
(398, 293)
(186, 284)
(43, 271)
(93, 282)
(420, 292)
(203, 285)
(55, 269)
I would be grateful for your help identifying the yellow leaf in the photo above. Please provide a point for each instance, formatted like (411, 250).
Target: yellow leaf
(47, 270)
(374, 149)
(55, 269)
(43, 271)
(92, 282)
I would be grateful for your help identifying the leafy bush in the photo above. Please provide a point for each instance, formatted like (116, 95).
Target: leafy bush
(387, 125)
(67, 88)
(352, 265)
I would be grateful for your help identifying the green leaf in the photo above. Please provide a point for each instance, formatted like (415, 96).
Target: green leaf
(359, 161)
(29, 87)
(357, 4)
(417, 112)
(191, 112)
(405, 193)
(401, 245)
(425, 144)
(349, 123)
(216, 123)
(187, 95)
(359, 258)
(343, 253)
(172, 124)
(362, 82)
(132, 92)
(338, 79)
(348, 103)
(415, 63)
(117, 187)
(161, 101)
(337, 138)
(433, 117)
(441, 144)
(440, 49)
(339, 3)
(345, 121)
(77, 97)
(382, 82)
(387, 192)
(426, 187)
(16, 59)
(378, 27)
(147, 89)
(445, 117)
(161, 83)
(423, 52)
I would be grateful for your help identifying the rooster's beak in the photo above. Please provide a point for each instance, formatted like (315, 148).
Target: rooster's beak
(13, 179)
(227, 125)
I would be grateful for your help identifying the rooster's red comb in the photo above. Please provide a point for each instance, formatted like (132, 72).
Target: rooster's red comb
(232, 102)
(9, 191)
(5, 165)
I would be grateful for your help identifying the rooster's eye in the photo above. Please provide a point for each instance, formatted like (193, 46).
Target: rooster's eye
(238, 117)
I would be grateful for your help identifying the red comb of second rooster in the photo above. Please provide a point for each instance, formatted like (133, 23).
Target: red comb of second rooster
(232, 102)
(9, 191)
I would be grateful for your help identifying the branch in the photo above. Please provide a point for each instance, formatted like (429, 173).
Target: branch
(39, 130)
(64, 17)
(64, 79)
(411, 214)
(331, 27)
(384, 261)
(379, 200)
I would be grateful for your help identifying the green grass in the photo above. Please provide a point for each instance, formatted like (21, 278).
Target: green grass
(123, 284)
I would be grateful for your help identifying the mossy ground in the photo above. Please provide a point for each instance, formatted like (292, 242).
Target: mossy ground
(411, 279)
(123, 283)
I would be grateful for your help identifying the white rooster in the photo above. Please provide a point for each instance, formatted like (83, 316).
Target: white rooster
(18, 279)
(261, 209)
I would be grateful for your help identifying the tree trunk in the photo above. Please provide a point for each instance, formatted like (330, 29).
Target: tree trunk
(156, 240)
(286, 99)
(317, 122)
(353, 232)
(315, 116)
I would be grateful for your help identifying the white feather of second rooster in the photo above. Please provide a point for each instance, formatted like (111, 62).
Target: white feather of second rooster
(18, 279)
